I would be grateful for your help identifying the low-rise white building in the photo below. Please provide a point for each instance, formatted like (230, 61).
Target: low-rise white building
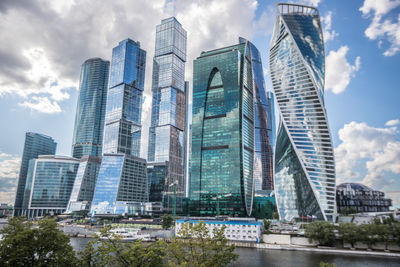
(237, 229)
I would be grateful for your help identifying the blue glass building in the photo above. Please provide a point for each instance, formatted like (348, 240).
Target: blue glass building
(121, 184)
(122, 130)
(222, 152)
(264, 123)
(91, 108)
(168, 117)
(35, 144)
(84, 185)
(49, 185)
(304, 159)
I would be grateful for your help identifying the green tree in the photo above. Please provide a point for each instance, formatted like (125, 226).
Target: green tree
(194, 246)
(275, 215)
(384, 233)
(350, 233)
(396, 233)
(326, 264)
(267, 225)
(167, 221)
(320, 231)
(107, 249)
(24, 245)
(368, 234)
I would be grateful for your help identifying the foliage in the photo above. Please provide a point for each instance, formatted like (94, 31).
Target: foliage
(167, 221)
(267, 225)
(396, 233)
(384, 233)
(326, 264)
(107, 249)
(347, 211)
(350, 233)
(24, 245)
(368, 234)
(320, 231)
(194, 246)
(275, 215)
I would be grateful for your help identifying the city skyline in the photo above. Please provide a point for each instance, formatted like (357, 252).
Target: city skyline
(359, 136)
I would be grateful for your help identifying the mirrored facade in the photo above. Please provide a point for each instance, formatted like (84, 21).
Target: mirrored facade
(168, 117)
(35, 144)
(222, 150)
(156, 173)
(91, 108)
(122, 131)
(304, 161)
(85, 182)
(264, 123)
(51, 179)
(121, 183)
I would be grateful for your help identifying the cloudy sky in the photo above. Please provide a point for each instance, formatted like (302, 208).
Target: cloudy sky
(44, 42)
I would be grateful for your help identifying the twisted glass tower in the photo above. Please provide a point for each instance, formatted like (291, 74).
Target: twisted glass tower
(304, 162)
(91, 108)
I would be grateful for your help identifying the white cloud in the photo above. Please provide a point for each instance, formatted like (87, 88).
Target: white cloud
(9, 168)
(392, 122)
(339, 71)
(314, 3)
(42, 104)
(368, 149)
(328, 32)
(383, 28)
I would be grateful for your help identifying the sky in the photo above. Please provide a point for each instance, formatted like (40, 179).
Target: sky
(44, 42)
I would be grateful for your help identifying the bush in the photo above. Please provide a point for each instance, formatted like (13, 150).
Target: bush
(320, 231)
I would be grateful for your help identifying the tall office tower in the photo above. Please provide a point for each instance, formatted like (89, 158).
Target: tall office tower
(122, 130)
(84, 185)
(91, 108)
(49, 184)
(264, 131)
(222, 156)
(35, 145)
(166, 133)
(304, 160)
(122, 179)
(122, 184)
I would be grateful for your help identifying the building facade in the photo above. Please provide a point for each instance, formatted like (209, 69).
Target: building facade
(354, 197)
(122, 130)
(121, 184)
(35, 144)
(91, 108)
(49, 185)
(304, 170)
(168, 116)
(236, 229)
(264, 123)
(222, 151)
(156, 173)
(84, 185)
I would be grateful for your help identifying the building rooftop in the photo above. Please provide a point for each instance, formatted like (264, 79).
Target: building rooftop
(354, 186)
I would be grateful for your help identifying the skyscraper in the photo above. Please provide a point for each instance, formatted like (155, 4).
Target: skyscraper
(122, 129)
(91, 108)
(35, 145)
(49, 184)
(264, 123)
(168, 117)
(122, 179)
(304, 160)
(222, 155)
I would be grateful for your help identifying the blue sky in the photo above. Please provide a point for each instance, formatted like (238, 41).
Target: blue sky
(45, 42)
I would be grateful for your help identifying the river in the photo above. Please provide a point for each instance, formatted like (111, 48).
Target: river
(251, 257)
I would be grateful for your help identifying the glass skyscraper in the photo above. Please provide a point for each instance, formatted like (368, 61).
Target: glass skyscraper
(304, 160)
(84, 185)
(222, 153)
(35, 144)
(264, 123)
(122, 129)
(49, 184)
(91, 108)
(168, 117)
(121, 184)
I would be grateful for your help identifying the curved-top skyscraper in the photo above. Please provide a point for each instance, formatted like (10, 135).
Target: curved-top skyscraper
(304, 168)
